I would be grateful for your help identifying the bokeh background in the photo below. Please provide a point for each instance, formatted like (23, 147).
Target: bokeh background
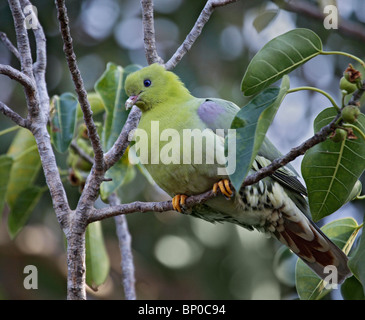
(176, 257)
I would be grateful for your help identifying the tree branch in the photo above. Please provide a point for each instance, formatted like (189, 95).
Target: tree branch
(122, 142)
(22, 38)
(81, 152)
(40, 38)
(9, 45)
(76, 248)
(36, 121)
(79, 85)
(18, 76)
(39, 67)
(125, 240)
(149, 32)
(36, 94)
(8, 112)
(28, 85)
(195, 31)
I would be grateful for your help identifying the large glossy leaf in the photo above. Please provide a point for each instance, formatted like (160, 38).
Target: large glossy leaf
(63, 120)
(26, 164)
(97, 259)
(5, 167)
(279, 57)
(357, 261)
(251, 124)
(331, 169)
(110, 87)
(343, 233)
(22, 208)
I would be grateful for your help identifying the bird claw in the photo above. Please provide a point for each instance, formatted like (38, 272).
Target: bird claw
(178, 202)
(224, 187)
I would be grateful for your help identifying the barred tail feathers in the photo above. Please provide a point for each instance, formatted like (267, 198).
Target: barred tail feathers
(309, 243)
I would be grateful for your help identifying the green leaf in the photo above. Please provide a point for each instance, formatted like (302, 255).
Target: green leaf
(343, 233)
(251, 124)
(97, 259)
(352, 289)
(96, 105)
(264, 18)
(356, 191)
(22, 208)
(331, 169)
(284, 265)
(357, 261)
(118, 174)
(5, 167)
(110, 87)
(278, 57)
(26, 165)
(63, 120)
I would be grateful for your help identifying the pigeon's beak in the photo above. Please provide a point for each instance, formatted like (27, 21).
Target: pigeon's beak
(131, 101)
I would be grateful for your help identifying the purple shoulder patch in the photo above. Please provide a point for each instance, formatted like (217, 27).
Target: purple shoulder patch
(209, 112)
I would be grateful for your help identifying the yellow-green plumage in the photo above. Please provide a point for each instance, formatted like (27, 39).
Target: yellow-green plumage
(276, 204)
(171, 104)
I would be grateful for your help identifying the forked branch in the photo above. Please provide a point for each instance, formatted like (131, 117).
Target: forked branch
(196, 31)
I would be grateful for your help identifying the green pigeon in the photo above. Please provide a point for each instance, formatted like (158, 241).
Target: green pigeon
(276, 205)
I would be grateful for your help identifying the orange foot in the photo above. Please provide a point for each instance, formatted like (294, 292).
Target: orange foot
(178, 201)
(224, 187)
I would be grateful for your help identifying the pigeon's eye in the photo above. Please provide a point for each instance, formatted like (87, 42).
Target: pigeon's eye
(147, 82)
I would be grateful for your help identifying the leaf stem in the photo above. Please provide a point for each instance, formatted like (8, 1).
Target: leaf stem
(348, 125)
(11, 129)
(327, 95)
(346, 55)
(338, 120)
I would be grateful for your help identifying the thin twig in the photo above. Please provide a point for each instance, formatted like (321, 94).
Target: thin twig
(125, 246)
(29, 88)
(4, 38)
(149, 33)
(12, 115)
(22, 38)
(137, 206)
(122, 142)
(195, 31)
(39, 67)
(79, 84)
(36, 121)
(41, 61)
(319, 137)
(81, 152)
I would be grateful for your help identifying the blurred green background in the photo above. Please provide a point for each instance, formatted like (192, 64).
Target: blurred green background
(176, 257)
